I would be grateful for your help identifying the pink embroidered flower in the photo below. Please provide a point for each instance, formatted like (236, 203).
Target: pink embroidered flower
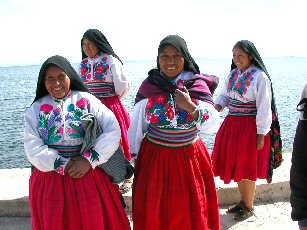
(104, 59)
(61, 130)
(83, 71)
(108, 66)
(89, 76)
(61, 170)
(150, 103)
(276, 144)
(57, 110)
(87, 154)
(100, 69)
(82, 103)
(160, 100)
(46, 108)
(154, 119)
(206, 116)
(70, 130)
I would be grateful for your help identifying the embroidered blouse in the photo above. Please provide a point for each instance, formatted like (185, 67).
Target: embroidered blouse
(53, 128)
(162, 113)
(104, 68)
(250, 87)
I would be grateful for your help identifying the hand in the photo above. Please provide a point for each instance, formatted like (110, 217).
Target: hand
(218, 107)
(77, 167)
(182, 98)
(260, 141)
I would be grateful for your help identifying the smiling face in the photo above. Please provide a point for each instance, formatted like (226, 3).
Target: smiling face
(57, 82)
(242, 59)
(171, 62)
(89, 48)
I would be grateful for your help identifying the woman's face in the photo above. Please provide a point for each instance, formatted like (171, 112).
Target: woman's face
(57, 82)
(89, 48)
(242, 59)
(171, 62)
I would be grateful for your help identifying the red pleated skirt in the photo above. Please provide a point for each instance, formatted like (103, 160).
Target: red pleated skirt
(62, 203)
(174, 188)
(235, 155)
(123, 118)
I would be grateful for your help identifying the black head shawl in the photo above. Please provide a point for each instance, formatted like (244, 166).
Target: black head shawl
(181, 46)
(75, 81)
(276, 142)
(100, 40)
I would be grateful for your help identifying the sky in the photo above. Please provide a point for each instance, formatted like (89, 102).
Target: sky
(33, 30)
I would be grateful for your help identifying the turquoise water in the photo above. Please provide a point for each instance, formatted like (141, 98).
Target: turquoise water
(18, 85)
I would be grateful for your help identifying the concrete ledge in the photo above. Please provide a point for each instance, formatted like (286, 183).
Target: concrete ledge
(14, 190)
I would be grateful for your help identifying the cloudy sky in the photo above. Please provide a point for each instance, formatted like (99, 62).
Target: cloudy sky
(33, 30)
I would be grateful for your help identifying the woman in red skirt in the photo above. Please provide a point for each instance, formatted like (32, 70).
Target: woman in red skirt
(173, 186)
(103, 73)
(243, 143)
(67, 189)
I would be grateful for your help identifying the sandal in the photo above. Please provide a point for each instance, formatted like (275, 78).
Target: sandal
(126, 186)
(237, 208)
(244, 214)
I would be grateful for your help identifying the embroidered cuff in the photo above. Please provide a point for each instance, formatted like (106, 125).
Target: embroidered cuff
(60, 164)
(93, 157)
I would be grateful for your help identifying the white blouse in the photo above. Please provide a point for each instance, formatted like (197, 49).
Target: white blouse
(105, 68)
(251, 86)
(50, 121)
(208, 121)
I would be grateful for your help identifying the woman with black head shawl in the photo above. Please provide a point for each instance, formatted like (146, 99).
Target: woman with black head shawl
(67, 189)
(298, 175)
(173, 187)
(102, 71)
(242, 150)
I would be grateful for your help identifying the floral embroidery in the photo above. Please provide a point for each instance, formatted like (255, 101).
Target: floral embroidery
(204, 115)
(92, 155)
(240, 84)
(85, 67)
(159, 110)
(59, 165)
(101, 69)
(48, 124)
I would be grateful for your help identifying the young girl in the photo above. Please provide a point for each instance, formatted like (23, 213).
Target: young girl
(67, 189)
(243, 143)
(102, 71)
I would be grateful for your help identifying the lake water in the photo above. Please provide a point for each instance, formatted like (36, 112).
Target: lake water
(18, 85)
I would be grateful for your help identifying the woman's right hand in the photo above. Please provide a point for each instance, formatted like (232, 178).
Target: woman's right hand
(77, 167)
(218, 107)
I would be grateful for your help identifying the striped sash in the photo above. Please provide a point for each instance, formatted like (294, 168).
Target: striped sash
(238, 108)
(173, 138)
(67, 151)
(101, 89)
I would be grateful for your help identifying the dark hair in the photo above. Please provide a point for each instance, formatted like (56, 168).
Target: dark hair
(241, 46)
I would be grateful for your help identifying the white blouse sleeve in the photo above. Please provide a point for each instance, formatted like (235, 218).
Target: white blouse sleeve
(39, 155)
(223, 99)
(120, 79)
(209, 118)
(263, 103)
(107, 143)
(138, 126)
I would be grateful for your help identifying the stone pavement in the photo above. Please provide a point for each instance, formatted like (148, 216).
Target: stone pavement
(272, 207)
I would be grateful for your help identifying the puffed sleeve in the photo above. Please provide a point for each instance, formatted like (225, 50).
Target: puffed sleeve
(138, 126)
(263, 103)
(209, 118)
(43, 158)
(120, 79)
(223, 99)
(107, 143)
